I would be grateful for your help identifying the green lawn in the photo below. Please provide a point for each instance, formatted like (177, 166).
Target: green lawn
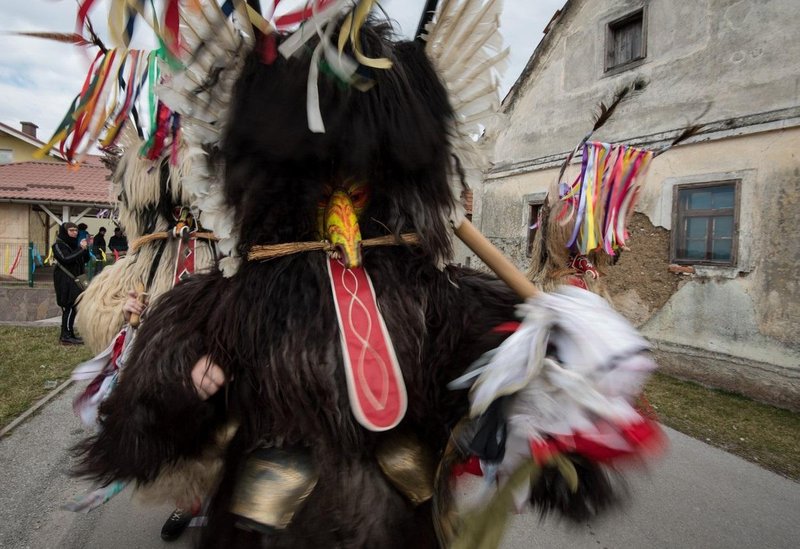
(31, 362)
(757, 432)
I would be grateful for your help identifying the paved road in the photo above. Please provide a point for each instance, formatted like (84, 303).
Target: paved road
(697, 497)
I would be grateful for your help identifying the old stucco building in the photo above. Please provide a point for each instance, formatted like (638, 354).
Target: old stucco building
(725, 205)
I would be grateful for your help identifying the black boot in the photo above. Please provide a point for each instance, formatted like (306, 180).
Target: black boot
(65, 338)
(67, 323)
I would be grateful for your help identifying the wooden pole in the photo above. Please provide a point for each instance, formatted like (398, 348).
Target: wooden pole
(142, 298)
(496, 261)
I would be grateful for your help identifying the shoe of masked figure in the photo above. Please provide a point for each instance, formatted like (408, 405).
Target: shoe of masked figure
(176, 524)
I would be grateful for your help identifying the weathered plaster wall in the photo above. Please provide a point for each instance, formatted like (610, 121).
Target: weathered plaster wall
(716, 58)
(38, 230)
(14, 222)
(768, 165)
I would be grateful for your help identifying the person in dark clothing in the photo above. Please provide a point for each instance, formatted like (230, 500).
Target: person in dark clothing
(71, 254)
(118, 242)
(100, 240)
(99, 246)
(83, 232)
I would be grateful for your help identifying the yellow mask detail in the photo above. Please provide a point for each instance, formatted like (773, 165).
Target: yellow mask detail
(339, 220)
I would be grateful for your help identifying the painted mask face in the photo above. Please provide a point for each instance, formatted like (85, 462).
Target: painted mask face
(337, 218)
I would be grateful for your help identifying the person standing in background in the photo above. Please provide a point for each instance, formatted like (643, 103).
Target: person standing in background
(99, 246)
(71, 254)
(118, 243)
(83, 232)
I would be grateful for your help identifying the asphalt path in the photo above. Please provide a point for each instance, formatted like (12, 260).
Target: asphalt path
(696, 497)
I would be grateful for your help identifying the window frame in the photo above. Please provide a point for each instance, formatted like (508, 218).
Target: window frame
(532, 205)
(678, 215)
(608, 68)
(10, 156)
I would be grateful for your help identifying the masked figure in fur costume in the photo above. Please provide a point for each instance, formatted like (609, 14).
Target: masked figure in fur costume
(150, 200)
(330, 361)
(167, 247)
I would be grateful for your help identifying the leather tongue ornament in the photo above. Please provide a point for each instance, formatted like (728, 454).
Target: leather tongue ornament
(375, 384)
(185, 259)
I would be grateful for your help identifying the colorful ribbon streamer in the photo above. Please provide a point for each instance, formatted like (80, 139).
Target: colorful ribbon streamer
(602, 196)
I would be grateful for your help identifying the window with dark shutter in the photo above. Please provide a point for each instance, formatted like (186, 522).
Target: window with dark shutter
(625, 41)
(534, 207)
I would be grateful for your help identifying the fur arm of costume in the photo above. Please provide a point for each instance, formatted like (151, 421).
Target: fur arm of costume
(488, 311)
(465, 319)
(155, 417)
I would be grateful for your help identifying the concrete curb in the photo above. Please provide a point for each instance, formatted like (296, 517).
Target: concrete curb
(55, 321)
(33, 409)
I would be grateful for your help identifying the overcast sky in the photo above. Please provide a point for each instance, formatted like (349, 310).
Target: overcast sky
(39, 78)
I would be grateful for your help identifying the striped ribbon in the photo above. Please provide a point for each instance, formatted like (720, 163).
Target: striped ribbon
(602, 196)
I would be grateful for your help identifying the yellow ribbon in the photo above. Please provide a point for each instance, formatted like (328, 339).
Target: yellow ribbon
(259, 22)
(353, 24)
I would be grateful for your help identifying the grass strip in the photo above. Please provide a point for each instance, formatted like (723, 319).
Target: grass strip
(32, 363)
(757, 432)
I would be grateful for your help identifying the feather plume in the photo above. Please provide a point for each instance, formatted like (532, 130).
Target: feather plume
(64, 37)
(95, 39)
(464, 44)
(603, 115)
(685, 134)
(566, 381)
(201, 94)
(605, 112)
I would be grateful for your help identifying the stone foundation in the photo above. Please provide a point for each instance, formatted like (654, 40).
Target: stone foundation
(23, 304)
(761, 381)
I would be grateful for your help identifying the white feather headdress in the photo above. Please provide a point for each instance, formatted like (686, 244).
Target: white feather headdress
(201, 94)
(465, 46)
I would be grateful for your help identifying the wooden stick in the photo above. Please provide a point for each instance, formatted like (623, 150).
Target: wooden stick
(270, 251)
(142, 298)
(495, 259)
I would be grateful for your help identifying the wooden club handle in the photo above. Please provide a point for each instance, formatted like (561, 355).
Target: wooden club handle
(495, 259)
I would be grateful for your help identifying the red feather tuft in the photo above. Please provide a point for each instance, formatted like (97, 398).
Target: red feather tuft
(66, 37)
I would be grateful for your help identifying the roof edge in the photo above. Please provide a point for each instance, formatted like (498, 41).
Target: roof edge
(56, 202)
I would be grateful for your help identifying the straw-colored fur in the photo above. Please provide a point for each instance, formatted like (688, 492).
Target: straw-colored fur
(550, 255)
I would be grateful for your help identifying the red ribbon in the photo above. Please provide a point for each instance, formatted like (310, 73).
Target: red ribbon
(643, 437)
(507, 327)
(16, 261)
(470, 467)
(160, 137)
(172, 25)
(298, 16)
(83, 13)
